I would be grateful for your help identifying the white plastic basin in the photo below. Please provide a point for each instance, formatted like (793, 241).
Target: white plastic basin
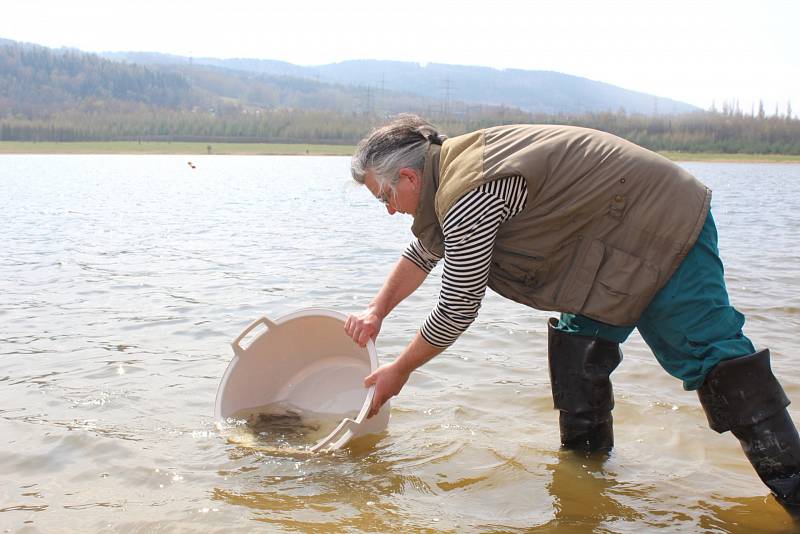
(306, 360)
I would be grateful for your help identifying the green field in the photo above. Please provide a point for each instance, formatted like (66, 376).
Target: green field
(260, 149)
(193, 149)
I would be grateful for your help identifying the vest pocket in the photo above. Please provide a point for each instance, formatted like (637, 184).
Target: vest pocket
(520, 268)
(608, 284)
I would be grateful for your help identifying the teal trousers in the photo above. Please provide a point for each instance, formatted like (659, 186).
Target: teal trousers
(690, 324)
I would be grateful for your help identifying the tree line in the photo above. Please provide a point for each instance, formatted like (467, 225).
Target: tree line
(695, 132)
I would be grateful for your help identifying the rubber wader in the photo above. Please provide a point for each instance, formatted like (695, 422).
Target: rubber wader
(579, 377)
(743, 396)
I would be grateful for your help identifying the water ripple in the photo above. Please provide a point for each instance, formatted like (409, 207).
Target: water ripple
(122, 289)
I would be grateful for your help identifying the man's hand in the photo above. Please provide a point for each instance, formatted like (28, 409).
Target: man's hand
(388, 379)
(364, 326)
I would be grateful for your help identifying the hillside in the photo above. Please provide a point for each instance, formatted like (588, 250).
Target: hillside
(454, 86)
(36, 82)
(68, 95)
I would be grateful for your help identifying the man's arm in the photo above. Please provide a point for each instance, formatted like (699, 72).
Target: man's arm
(470, 230)
(404, 279)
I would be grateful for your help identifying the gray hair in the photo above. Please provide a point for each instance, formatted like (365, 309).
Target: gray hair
(403, 142)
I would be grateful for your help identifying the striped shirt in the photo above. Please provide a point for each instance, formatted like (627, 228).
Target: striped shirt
(469, 232)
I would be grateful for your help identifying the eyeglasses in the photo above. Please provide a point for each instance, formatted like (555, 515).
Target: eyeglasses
(383, 197)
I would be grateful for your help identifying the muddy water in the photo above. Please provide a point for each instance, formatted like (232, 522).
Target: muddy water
(124, 279)
(280, 427)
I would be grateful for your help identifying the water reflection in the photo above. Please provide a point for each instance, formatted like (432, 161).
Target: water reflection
(584, 494)
(744, 515)
(588, 497)
(311, 498)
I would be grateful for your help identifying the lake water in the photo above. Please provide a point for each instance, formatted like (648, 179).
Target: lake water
(123, 280)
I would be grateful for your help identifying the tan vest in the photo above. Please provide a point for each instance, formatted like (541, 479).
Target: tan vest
(605, 225)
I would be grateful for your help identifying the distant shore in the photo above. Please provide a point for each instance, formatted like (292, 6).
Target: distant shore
(275, 149)
(163, 147)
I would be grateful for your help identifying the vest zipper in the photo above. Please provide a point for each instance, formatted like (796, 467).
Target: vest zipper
(520, 254)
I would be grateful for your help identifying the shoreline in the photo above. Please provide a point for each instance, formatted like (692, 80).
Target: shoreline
(719, 157)
(285, 149)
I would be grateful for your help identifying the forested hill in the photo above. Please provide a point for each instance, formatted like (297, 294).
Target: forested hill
(69, 95)
(36, 82)
(528, 90)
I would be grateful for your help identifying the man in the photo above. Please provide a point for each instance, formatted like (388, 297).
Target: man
(612, 236)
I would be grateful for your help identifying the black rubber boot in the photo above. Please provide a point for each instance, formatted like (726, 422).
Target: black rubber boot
(743, 396)
(579, 371)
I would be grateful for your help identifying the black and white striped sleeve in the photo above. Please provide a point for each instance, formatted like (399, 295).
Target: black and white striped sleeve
(469, 232)
(421, 256)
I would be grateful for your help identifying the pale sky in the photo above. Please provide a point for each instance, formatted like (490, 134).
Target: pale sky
(696, 51)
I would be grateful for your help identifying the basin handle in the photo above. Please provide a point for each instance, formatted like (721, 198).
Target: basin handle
(237, 349)
(347, 425)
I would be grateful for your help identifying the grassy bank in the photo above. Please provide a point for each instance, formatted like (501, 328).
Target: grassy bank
(133, 147)
(260, 149)
(735, 158)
